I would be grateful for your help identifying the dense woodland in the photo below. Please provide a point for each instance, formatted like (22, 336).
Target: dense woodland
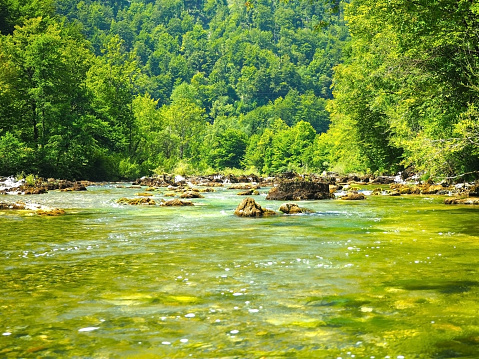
(119, 89)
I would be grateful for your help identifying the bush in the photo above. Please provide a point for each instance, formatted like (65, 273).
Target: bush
(14, 155)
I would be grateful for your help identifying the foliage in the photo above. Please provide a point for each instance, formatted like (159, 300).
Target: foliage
(14, 155)
(406, 92)
(119, 89)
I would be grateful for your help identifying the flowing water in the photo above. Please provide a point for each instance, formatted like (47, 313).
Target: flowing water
(388, 277)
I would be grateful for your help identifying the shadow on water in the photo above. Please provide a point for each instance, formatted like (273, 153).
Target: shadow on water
(444, 287)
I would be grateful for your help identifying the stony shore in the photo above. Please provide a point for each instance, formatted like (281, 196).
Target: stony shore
(285, 187)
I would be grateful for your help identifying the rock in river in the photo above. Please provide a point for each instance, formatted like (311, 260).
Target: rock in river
(353, 196)
(177, 203)
(292, 208)
(137, 201)
(249, 208)
(474, 201)
(299, 190)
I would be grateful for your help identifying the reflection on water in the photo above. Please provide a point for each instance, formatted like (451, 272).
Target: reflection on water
(387, 277)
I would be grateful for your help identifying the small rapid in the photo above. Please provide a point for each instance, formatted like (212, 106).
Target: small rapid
(383, 277)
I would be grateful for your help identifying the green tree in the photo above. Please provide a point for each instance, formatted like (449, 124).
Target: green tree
(112, 81)
(228, 149)
(14, 155)
(185, 125)
(45, 100)
(409, 73)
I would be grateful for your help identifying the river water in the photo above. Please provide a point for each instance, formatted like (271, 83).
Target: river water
(387, 277)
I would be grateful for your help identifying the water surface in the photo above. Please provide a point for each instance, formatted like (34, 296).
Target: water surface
(386, 277)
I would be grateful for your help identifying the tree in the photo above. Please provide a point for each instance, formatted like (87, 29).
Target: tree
(185, 124)
(228, 149)
(45, 100)
(14, 155)
(409, 73)
(112, 81)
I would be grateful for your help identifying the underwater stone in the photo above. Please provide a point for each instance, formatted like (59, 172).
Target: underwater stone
(177, 203)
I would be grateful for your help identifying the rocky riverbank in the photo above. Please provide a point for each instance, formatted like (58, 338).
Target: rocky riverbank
(285, 187)
(9, 185)
(300, 187)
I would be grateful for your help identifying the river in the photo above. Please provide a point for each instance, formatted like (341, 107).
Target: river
(387, 277)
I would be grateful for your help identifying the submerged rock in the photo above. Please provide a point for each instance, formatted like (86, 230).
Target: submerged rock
(353, 196)
(249, 208)
(51, 212)
(244, 186)
(191, 194)
(137, 201)
(13, 206)
(299, 190)
(32, 207)
(474, 201)
(143, 194)
(250, 192)
(177, 203)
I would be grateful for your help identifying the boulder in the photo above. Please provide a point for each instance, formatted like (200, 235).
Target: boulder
(249, 192)
(474, 191)
(249, 208)
(462, 201)
(299, 190)
(292, 208)
(156, 181)
(51, 212)
(177, 203)
(191, 194)
(137, 201)
(353, 196)
(383, 180)
(34, 190)
(432, 189)
(14, 206)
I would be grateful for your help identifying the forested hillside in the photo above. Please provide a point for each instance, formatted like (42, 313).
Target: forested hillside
(119, 89)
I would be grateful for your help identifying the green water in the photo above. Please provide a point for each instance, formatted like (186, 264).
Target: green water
(386, 277)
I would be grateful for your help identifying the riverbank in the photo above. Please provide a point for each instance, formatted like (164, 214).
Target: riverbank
(339, 186)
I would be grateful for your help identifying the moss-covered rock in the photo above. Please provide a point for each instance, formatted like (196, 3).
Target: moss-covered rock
(191, 194)
(177, 203)
(250, 192)
(249, 208)
(455, 200)
(50, 212)
(137, 201)
(292, 208)
(353, 196)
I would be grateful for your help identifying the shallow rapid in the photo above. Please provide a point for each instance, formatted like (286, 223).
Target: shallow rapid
(387, 277)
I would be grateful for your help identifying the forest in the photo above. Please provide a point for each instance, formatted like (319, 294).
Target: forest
(117, 89)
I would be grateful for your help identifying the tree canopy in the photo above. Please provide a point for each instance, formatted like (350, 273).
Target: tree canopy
(119, 89)
(406, 93)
